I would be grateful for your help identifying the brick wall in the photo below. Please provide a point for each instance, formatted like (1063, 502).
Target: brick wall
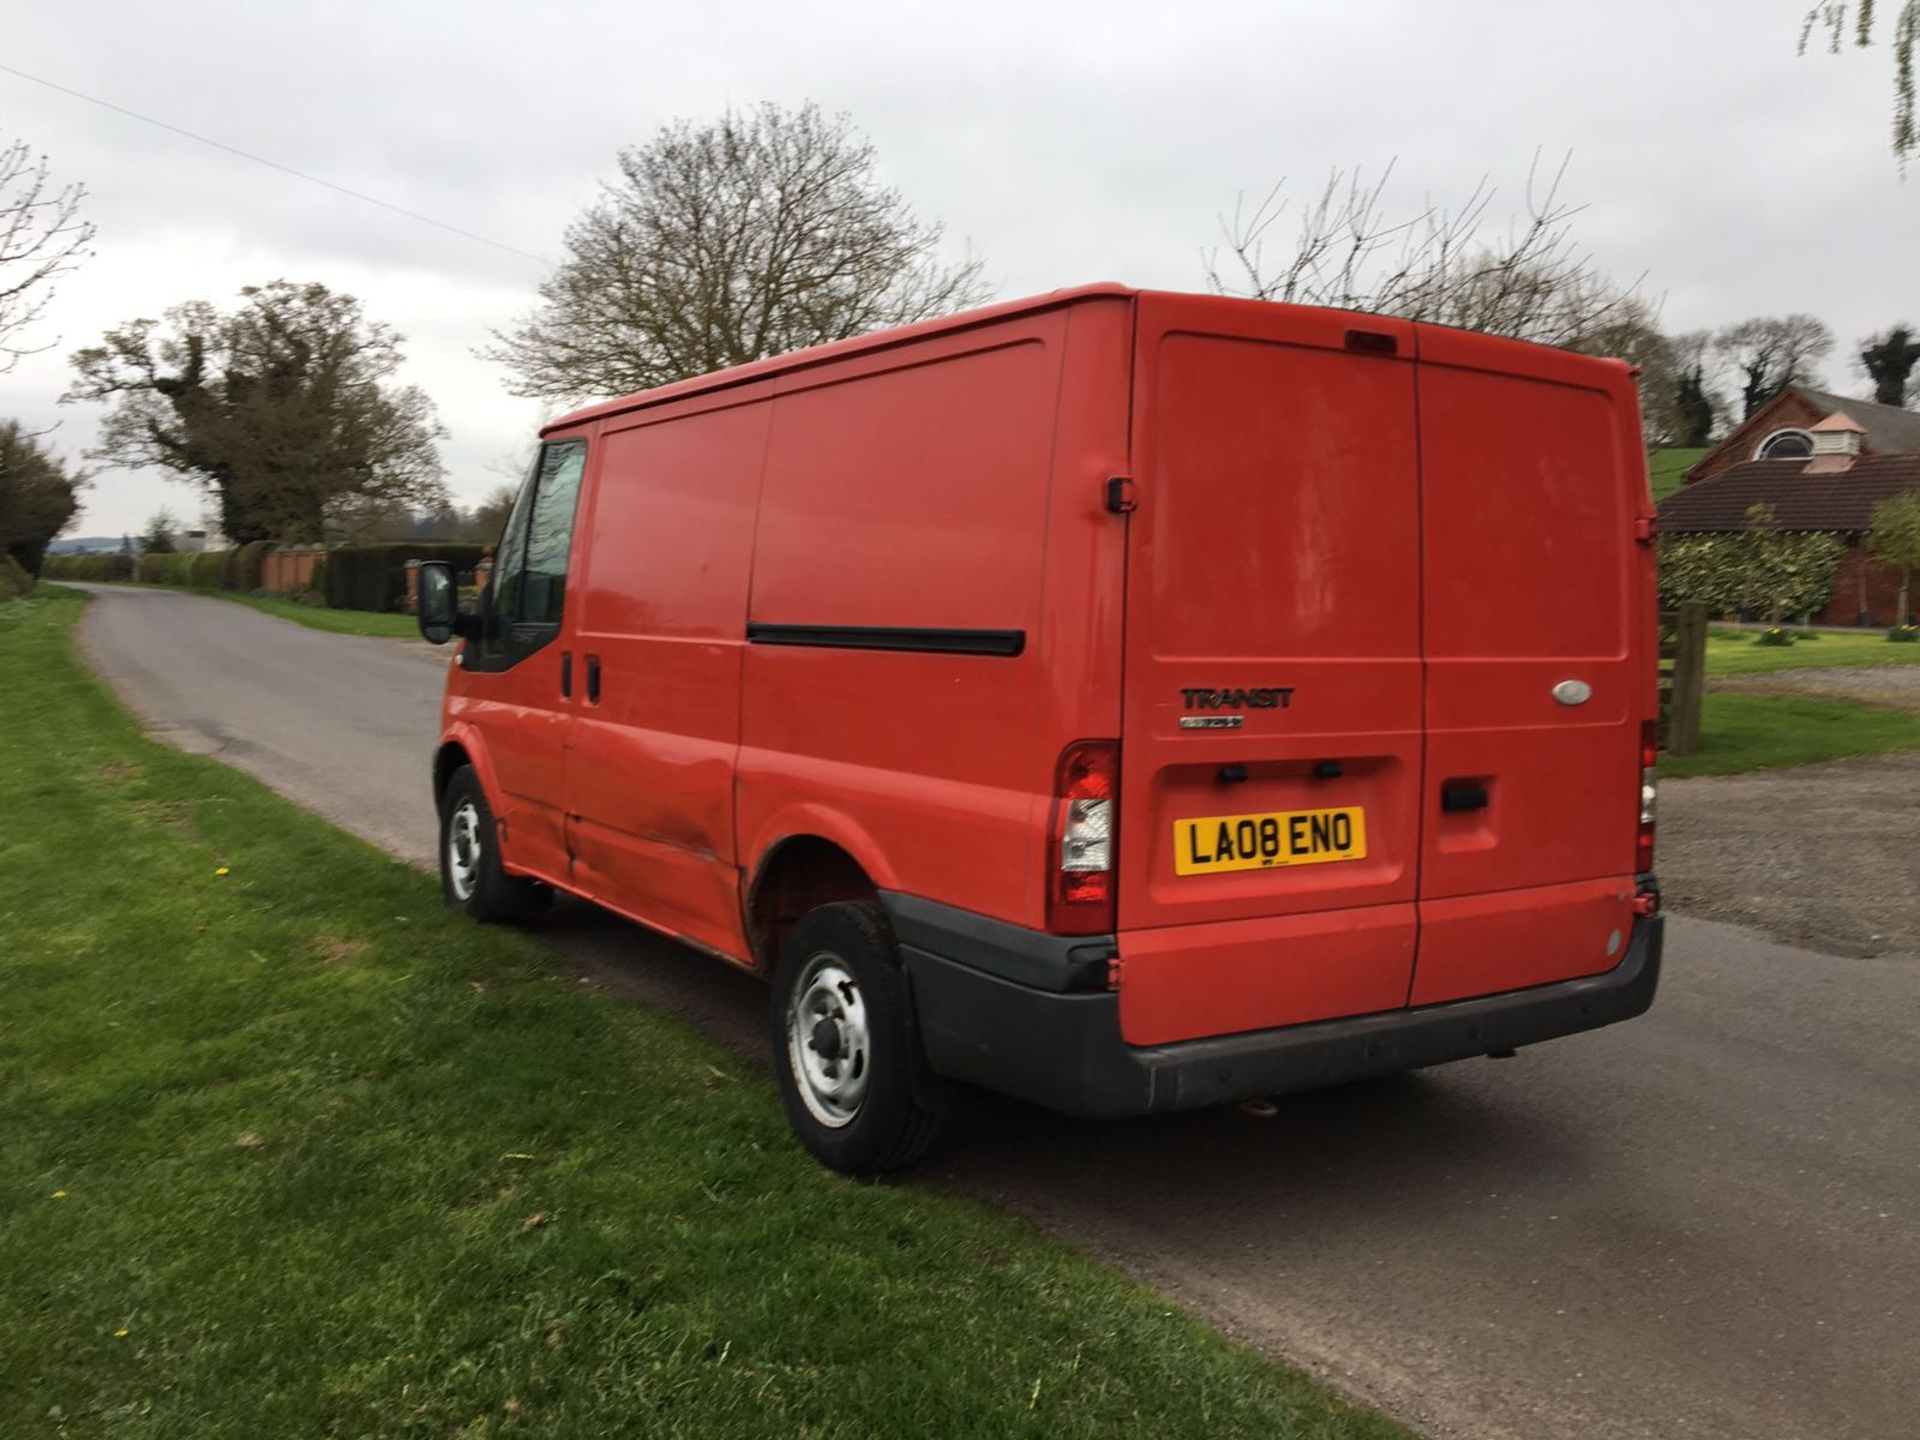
(1880, 596)
(289, 569)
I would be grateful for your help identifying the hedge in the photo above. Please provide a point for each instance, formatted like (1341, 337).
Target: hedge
(1750, 570)
(374, 577)
(110, 566)
(203, 570)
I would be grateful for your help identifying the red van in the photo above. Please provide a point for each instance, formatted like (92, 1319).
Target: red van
(1124, 701)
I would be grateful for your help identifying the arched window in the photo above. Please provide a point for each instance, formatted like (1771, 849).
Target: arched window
(1785, 445)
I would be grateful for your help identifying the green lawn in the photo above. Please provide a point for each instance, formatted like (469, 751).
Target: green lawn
(290, 1150)
(1666, 467)
(1735, 652)
(1757, 732)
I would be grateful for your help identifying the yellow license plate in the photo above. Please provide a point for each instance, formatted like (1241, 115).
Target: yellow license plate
(1219, 843)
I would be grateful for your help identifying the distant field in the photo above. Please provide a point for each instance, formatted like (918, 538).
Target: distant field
(1666, 467)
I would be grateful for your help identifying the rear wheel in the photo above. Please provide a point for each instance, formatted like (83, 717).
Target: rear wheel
(471, 879)
(843, 1046)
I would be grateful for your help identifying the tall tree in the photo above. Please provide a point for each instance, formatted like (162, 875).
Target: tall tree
(1894, 539)
(1771, 352)
(38, 495)
(765, 231)
(284, 409)
(1693, 406)
(1889, 358)
(1843, 20)
(158, 537)
(41, 238)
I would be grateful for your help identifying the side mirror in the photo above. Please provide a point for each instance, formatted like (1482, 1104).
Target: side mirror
(437, 602)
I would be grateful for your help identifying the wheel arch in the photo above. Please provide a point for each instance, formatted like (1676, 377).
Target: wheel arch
(463, 746)
(796, 873)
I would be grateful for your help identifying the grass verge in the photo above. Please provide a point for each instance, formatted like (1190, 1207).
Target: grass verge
(319, 617)
(290, 1150)
(1759, 732)
(1737, 652)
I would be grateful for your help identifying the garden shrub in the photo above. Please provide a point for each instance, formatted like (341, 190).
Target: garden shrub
(178, 570)
(152, 569)
(374, 577)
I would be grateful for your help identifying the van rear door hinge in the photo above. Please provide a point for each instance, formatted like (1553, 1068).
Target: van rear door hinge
(1120, 498)
(1646, 529)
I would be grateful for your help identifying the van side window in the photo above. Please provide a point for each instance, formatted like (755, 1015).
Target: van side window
(528, 594)
(550, 532)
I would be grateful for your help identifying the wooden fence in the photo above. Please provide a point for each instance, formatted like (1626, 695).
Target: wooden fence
(1683, 676)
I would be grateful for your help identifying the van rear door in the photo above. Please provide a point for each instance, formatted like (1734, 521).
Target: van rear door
(1271, 754)
(1537, 640)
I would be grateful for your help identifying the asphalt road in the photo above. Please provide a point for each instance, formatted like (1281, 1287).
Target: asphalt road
(1703, 1223)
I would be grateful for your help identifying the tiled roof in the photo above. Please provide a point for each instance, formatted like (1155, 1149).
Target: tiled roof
(1889, 429)
(1800, 501)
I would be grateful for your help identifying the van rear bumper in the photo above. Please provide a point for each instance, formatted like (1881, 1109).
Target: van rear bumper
(983, 1019)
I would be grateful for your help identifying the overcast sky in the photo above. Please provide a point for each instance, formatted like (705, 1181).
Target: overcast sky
(1063, 142)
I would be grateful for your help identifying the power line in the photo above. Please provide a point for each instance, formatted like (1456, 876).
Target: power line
(276, 165)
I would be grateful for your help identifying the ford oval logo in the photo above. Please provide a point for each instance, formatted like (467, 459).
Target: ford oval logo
(1573, 692)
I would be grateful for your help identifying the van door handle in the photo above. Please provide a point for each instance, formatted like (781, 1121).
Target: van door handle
(593, 679)
(566, 673)
(1459, 795)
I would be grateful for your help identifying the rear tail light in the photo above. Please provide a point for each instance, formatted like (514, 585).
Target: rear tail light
(1080, 846)
(1649, 784)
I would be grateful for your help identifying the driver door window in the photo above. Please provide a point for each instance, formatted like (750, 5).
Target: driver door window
(527, 598)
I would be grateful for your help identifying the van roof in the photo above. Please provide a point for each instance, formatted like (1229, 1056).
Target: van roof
(1498, 352)
(817, 354)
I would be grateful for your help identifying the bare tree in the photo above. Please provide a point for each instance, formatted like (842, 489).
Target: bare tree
(41, 238)
(1770, 352)
(1833, 16)
(765, 231)
(282, 409)
(1441, 265)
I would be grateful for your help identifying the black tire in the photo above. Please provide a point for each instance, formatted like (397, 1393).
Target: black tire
(867, 1043)
(477, 887)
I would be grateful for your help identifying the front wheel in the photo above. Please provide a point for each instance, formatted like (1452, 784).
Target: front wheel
(471, 879)
(843, 1047)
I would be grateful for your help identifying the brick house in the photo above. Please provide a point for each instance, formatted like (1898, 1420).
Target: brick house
(1819, 472)
(1782, 429)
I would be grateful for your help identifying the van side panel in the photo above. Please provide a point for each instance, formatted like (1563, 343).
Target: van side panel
(1532, 479)
(1276, 548)
(891, 672)
(650, 768)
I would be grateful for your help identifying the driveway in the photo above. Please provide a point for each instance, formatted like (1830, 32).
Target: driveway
(1826, 856)
(1701, 1223)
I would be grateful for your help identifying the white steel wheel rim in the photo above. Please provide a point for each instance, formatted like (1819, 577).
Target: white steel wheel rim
(463, 850)
(829, 1041)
